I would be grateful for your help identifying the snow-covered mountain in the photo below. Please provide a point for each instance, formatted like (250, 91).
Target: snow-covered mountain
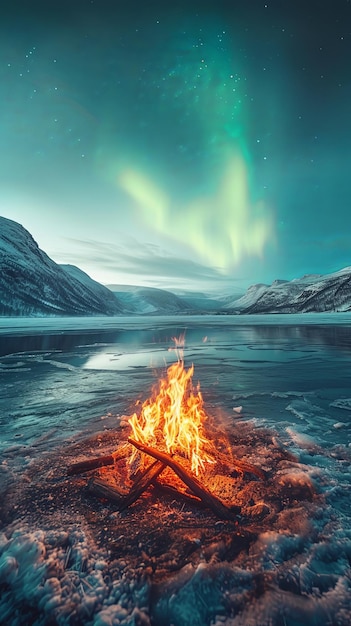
(33, 284)
(149, 300)
(311, 293)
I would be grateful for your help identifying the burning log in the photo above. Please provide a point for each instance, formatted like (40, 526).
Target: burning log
(101, 461)
(192, 482)
(103, 489)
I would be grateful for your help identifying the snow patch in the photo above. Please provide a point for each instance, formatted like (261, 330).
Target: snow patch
(58, 575)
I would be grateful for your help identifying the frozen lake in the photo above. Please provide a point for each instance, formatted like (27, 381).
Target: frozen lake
(66, 379)
(62, 376)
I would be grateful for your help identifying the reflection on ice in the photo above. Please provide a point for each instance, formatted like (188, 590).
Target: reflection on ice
(107, 360)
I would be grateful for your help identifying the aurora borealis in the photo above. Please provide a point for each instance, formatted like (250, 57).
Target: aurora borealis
(196, 144)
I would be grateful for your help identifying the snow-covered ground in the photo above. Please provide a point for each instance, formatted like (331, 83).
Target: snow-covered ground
(279, 382)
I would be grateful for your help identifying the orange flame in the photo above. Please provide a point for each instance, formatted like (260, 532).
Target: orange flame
(174, 417)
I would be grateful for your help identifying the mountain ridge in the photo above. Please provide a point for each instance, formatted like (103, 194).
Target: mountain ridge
(312, 293)
(32, 284)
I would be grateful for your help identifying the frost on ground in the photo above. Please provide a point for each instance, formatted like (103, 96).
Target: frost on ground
(67, 557)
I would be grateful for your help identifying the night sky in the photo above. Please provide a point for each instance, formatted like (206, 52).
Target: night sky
(187, 144)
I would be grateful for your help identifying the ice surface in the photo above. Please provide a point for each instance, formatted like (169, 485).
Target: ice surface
(66, 380)
(342, 403)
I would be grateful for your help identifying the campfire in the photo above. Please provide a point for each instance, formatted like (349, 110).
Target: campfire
(169, 447)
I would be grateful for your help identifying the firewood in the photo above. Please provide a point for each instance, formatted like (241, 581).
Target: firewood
(177, 493)
(101, 461)
(103, 489)
(89, 464)
(247, 468)
(192, 482)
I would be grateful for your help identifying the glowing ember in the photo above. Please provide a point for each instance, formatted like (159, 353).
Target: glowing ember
(173, 418)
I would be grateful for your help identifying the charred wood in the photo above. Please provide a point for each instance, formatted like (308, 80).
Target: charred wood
(192, 482)
(103, 489)
(101, 461)
(247, 468)
(177, 493)
(90, 464)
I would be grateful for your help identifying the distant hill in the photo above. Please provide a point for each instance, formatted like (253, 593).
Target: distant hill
(150, 300)
(33, 284)
(310, 293)
(204, 302)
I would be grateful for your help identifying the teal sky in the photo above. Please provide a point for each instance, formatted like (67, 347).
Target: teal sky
(200, 144)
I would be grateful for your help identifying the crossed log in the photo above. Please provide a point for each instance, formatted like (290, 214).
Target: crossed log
(208, 498)
(101, 488)
(124, 499)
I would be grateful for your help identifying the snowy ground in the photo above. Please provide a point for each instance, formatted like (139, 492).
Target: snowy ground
(67, 558)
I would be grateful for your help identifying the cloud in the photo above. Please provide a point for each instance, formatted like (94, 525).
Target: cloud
(136, 259)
